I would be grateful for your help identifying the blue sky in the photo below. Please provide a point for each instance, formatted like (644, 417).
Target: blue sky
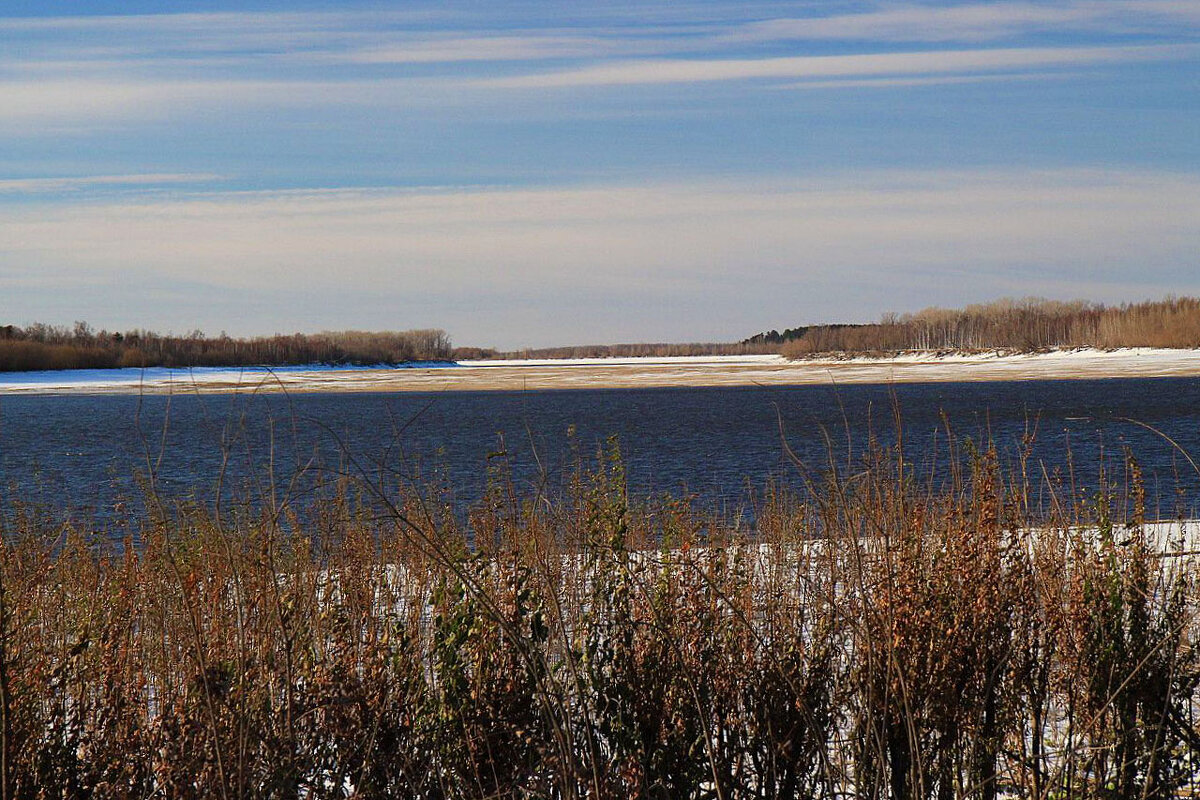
(553, 173)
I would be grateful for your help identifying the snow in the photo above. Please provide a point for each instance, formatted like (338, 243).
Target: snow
(597, 373)
(728, 361)
(164, 379)
(1143, 362)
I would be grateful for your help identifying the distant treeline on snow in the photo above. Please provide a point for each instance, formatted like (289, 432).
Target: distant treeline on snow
(48, 347)
(1023, 325)
(646, 350)
(1020, 325)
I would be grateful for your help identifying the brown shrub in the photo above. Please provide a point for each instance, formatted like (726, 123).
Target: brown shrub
(871, 639)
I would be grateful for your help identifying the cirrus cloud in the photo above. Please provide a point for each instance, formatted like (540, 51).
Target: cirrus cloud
(716, 255)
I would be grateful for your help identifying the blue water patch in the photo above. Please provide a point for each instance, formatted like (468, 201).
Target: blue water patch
(94, 452)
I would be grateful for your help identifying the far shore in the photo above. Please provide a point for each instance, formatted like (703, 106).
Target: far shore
(621, 373)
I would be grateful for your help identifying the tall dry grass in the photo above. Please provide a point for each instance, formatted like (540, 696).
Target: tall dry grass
(880, 637)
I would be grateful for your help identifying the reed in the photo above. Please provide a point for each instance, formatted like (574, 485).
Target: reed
(873, 637)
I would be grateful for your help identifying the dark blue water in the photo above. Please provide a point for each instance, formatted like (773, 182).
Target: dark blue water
(93, 452)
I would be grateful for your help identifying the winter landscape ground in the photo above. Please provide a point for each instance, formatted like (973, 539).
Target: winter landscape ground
(616, 373)
(379, 563)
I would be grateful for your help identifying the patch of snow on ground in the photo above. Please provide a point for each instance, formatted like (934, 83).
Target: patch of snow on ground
(536, 374)
(631, 361)
(131, 378)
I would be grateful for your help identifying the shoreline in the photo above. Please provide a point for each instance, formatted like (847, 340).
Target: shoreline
(618, 373)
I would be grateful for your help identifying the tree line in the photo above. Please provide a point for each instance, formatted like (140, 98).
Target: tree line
(1023, 325)
(642, 350)
(49, 347)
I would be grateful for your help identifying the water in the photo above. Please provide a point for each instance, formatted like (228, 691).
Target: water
(91, 453)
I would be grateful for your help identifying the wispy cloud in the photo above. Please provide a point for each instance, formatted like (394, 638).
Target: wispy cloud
(485, 93)
(893, 238)
(95, 100)
(434, 50)
(913, 63)
(980, 21)
(939, 80)
(87, 102)
(442, 35)
(94, 69)
(81, 182)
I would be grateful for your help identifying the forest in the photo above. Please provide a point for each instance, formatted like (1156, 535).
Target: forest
(1025, 325)
(1015, 325)
(48, 347)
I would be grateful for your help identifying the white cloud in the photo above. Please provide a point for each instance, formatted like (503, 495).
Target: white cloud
(94, 70)
(915, 63)
(72, 183)
(940, 80)
(29, 100)
(87, 102)
(981, 21)
(742, 246)
(476, 48)
(258, 39)
(923, 23)
(98, 101)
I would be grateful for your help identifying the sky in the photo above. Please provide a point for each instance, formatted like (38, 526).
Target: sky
(552, 173)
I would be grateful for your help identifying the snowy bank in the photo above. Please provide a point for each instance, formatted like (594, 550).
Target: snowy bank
(616, 373)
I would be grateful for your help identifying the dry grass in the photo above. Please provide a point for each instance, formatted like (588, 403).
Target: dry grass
(879, 639)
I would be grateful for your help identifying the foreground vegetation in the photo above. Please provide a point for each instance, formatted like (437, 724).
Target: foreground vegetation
(884, 638)
(46, 347)
(1024, 325)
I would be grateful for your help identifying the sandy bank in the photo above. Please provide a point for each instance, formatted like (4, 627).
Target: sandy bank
(621, 373)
